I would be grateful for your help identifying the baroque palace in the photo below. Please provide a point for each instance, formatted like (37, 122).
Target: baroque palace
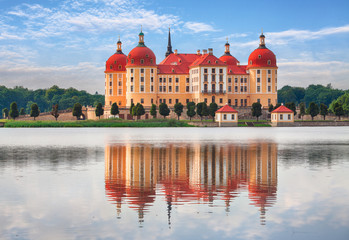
(183, 77)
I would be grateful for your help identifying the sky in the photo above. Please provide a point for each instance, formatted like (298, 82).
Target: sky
(66, 43)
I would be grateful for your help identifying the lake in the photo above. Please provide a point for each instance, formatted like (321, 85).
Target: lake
(174, 183)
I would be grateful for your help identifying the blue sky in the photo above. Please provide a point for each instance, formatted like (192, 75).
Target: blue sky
(66, 43)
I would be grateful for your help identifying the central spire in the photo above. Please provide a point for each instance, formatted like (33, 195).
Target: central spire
(227, 48)
(169, 46)
(141, 38)
(262, 40)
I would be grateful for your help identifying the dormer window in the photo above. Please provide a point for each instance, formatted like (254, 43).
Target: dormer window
(151, 61)
(114, 62)
(111, 66)
(259, 56)
(146, 55)
(132, 61)
(208, 61)
(269, 62)
(173, 70)
(216, 62)
(120, 67)
(142, 61)
(251, 62)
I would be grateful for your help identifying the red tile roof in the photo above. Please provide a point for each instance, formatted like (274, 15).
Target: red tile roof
(237, 70)
(282, 109)
(226, 109)
(177, 63)
(208, 60)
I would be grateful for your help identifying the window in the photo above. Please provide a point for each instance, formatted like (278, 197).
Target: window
(160, 79)
(236, 89)
(151, 61)
(170, 88)
(142, 100)
(281, 117)
(151, 88)
(269, 62)
(258, 88)
(187, 88)
(160, 100)
(119, 103)
(110, 76)
(152, 70)
(289, 116)
(259, 56)
(132, 61)
(142, 61)
(220, 70)
(160, 89)
(233, 117)
(245, 89)
(142, 79)
(131, 70)
(258, 100)
(229, 89)
(110, 91)
(187, 80)
(276, 80)
(152, 79)
(236, 102)
(205, 78)
(258, 80)
(131, 89)
(177, 80)
(213, 87)
(205, 70)
(250, 62)
(229, 102)
(164, 88)
(151, 101)
(269, 89)
(111, 67)
(177, 89)
(269, 80)
(164, 100)
(242, 102)
(245, 102)
(170, 80)
(164, 80)
(229, 80)
(276, 71)
(241, 80)
(221, 100)
(245, 80)
(213, 70)
(213, 78)
(120, 91)
(269, 71)
(142, 70)
(187, 100)
(236, 80)
(205, 100)
(120, 83)
(258, 71)
(131, 79)
(170, 101)
(131, 100)
(241, 89)
(221, 78)
(120, 67)
(269, 101)
(177, 100)
(110, 83)
(142, 88)
(225, 116)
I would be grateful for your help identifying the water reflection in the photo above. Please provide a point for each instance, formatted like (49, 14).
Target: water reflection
(187, 173)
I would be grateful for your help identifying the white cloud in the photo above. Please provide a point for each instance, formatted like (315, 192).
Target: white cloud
(198, 27)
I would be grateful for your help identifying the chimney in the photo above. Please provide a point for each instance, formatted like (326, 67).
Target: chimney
(204, 51)
(176, 52)
(210, 51)
(198, 52)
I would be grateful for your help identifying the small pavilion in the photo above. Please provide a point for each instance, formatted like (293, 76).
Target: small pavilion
(282, 117)
(227, 116)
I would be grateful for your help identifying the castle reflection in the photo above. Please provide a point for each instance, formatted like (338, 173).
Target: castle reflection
(190, 173)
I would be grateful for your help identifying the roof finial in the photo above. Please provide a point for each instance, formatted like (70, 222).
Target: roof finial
(141, 28)
(119, 38)
(262, 31)
(227, 39)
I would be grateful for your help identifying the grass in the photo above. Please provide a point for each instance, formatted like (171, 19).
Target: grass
(261, 125)
(97, 123)
(252, 120)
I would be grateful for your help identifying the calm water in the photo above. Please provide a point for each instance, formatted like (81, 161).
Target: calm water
(190, 183)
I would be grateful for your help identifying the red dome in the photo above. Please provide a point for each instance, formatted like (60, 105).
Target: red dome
(229, 60)
(141, 56)
(261, 57)
(116, 62)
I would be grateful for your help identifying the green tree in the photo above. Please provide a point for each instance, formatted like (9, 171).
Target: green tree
(191, 109)
(5, 112)
(131, 109)
(302, 109)
(342, 100)
(77, 110)
(138, 110)
(291, 106)
(14, 111)
(256, 110)
(277, 106)
(323, 110)
(99, 110)
(34, 111)
(164, 110)
(54, 111)
(178, 109)
(313, 110)
(271, 108)
(212, 110)
(22, 111)
(114, 109)
(153, 110)
(338, 109)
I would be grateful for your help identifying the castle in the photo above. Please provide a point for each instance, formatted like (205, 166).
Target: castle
(183, 77)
